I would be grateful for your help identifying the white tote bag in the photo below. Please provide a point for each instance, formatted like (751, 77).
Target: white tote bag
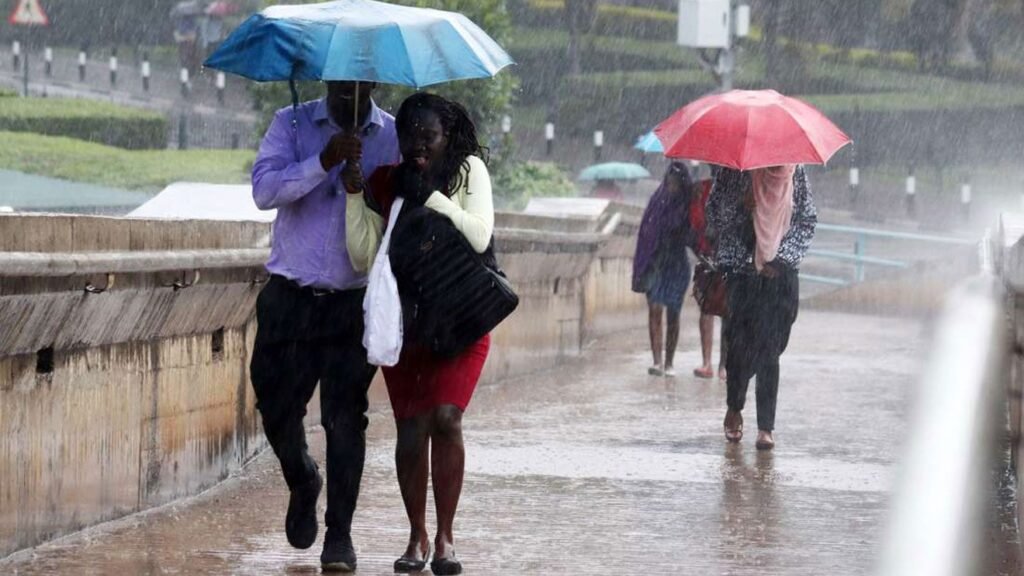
(382, 309)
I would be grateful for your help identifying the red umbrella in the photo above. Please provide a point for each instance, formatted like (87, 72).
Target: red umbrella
(748, 129)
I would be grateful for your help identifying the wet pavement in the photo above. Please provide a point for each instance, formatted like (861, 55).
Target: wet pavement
(594, 468)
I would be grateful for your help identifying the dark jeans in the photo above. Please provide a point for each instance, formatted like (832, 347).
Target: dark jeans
(761, 312)
(303, 339)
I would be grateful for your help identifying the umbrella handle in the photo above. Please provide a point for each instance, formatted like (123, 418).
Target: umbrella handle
(355, 113)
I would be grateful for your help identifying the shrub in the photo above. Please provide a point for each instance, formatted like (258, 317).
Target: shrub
(88, 120)
(515, 183)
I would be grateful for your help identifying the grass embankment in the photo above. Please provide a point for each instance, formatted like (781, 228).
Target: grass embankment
(145, 170)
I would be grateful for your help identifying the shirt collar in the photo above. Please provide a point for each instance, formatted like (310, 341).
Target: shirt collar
(374, 120)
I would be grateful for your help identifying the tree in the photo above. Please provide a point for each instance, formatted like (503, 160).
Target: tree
(580, 16)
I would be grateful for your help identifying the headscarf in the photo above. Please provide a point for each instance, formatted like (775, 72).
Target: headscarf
(773, 198)
(665, 216)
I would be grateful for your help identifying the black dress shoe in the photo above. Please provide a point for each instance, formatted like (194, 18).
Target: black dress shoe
(405, 565)
(300, 523)
(338, 554)
(445, 566)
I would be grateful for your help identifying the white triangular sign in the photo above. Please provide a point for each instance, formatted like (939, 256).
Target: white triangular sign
(30, 13)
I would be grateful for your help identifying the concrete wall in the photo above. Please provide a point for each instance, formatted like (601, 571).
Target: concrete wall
(115, 402)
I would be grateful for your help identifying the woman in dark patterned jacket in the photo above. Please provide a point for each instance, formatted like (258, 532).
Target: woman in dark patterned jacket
(763, 222)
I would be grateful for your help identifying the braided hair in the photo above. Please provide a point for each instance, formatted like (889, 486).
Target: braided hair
(459, 129)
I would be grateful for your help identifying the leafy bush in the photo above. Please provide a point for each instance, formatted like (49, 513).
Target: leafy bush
(5, 93)
(515, 183)
(89, 120)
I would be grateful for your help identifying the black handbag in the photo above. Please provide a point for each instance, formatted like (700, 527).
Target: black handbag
(451, 295)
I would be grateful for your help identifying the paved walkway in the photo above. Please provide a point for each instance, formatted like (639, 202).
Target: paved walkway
(595, 468)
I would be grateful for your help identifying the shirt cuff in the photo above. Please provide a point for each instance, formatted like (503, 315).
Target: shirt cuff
(312, 168)
(439, 202)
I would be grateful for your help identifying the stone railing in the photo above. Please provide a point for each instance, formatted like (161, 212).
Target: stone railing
(124, 348)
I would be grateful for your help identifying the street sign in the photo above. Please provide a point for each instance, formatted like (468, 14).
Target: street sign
(29, 13)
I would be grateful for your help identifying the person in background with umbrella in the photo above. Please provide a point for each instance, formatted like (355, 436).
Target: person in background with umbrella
(762, 221)
(443, 169)
(661, 268)
(607, 189)
(310, 314)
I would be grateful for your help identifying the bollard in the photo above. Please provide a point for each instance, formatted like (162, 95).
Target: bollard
(965, 199)
(911, 193)
(854, 186)
(506, 124)
(220, 82)
(16, 55)
(549, 137)
(598, 144)
(48, 58)
(145, 71)
(82, 59)
(25, 77)
(183, 77)
(113, 67)
(182, 131)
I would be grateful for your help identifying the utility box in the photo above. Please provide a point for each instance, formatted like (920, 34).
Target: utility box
(704, 23)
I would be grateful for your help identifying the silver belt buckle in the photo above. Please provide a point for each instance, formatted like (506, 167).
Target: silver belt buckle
(322, 292)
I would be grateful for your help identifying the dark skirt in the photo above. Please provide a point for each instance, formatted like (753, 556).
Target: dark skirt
(666, 279)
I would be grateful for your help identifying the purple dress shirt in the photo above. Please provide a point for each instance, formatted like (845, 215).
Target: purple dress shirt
(309, 231)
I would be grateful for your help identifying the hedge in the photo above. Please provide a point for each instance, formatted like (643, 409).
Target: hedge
(89, 120)
(612, 20)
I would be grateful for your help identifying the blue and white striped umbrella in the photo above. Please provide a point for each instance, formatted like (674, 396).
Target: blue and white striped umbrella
(649, 144)
(361, 40)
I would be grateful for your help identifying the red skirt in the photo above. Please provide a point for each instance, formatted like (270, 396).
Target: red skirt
(421, 381)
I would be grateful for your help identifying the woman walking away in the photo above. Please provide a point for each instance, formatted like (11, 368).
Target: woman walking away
(763, 222)
(708, 287)
(444, 170)
(661, 269)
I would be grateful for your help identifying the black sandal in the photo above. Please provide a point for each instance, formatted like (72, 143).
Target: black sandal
(445, 566)
(406, 565)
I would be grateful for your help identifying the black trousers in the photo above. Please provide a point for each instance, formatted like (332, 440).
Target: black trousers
(304, 338)
(761, 312)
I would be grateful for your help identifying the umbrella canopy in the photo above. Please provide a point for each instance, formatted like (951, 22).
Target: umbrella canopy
(360, 40)
(649, 144)
(221, 8)
(748, 129)
(614, 171)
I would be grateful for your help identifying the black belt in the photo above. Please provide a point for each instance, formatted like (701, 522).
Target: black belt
(311, 290)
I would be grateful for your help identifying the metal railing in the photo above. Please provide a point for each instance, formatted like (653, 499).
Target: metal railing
(859, 258)
(941, 513)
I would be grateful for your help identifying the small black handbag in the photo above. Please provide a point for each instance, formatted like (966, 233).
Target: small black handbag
(451, 295)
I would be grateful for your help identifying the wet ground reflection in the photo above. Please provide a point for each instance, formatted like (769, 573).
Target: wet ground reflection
(596, 468)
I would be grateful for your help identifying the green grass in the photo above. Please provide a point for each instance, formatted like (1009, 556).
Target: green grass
(146, 170)
(61, 108)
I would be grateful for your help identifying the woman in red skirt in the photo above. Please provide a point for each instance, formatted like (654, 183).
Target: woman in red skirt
(442, 169)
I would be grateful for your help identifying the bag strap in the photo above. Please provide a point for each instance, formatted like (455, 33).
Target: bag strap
(396, 208)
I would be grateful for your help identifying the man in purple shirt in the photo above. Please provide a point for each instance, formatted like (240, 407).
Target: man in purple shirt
(310, 314)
